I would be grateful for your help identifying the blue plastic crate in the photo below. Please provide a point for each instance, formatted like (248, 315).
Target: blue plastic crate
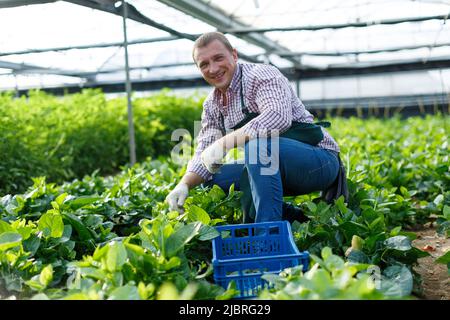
(244, 252)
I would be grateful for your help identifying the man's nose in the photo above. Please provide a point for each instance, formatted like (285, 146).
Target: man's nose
(213, 68)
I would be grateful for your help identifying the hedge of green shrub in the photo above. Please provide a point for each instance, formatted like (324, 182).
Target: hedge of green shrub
(67, 137)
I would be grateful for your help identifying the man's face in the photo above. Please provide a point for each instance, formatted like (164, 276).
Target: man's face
(216, 63)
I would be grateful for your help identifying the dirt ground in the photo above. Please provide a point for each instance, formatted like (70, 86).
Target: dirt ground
(435, 279)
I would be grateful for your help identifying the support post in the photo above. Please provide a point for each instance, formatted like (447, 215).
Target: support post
(128, 89)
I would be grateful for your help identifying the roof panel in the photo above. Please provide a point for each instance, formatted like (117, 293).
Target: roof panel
(62, 24)
(171, 17)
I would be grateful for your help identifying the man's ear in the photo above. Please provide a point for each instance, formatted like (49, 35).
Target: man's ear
(235, 55)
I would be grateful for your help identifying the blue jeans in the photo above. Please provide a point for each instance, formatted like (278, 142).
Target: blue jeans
(279, 167)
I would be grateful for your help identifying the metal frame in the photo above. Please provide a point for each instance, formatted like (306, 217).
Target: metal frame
(246, 30)
(291, 73)
(89, 46)
(202, 11)
(19, 3)
(135, 15)
(23, 68)
(217, 18)
(344, 53)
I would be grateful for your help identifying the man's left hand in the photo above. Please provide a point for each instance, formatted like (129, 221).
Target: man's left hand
(212, 156)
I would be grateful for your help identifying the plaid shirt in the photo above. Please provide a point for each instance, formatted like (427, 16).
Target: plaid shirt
(266, 91)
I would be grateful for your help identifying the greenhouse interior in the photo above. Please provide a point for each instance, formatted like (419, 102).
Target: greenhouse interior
(126, 168)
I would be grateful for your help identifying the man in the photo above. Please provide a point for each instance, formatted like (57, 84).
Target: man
(268, 119)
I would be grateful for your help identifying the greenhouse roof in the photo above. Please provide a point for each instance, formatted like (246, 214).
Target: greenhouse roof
(46, 43)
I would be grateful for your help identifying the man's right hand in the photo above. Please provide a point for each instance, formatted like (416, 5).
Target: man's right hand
(177, 196)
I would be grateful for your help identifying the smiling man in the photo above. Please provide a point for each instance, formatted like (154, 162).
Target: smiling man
(254, 105)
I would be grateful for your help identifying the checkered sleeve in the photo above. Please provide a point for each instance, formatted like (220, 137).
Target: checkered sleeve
(210, 131)
(273, 99)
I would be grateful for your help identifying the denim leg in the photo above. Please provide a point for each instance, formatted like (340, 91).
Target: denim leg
(277, 168)
(229, 173)
(305, 168)
(283, 166)
(261, 162)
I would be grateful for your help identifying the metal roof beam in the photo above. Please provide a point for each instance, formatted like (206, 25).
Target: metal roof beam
(23, 68)
(92, 74)
(343, 53)
(291, 73)
(27, 68)
(12, 65)
(145, 84)
(245, 30)
(342, 71)
(135, 15)
(89, 46)
(19, 3)
(217, 18)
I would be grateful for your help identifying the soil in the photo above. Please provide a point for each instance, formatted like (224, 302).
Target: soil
(435, 277)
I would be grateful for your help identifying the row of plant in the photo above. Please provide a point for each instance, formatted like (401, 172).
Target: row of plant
(45, 255)
(114, 237)
(109, 238)
(68, 137)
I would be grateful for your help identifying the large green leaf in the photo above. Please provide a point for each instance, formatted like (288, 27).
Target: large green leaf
(397, 281)
(116, 256)
(82, 201)
(446, 212)
(9, 240)
(351, 228)
(445, 258)
(32, 244)
(5, 227)
(216, 193)
(357, 256)
(127, 292)
(180, 237)
(198, 214)
(83, 232)
(401, 243)
(51, 224)
(341, 204)
(46, 275)
(207, 233)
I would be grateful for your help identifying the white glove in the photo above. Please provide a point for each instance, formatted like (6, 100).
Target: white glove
(177, 196)
(212, 157)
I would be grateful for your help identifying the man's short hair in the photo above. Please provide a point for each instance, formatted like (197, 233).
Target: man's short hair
(209, 37)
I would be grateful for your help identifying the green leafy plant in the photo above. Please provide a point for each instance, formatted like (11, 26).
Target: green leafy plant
(113, 237)
(328, 278)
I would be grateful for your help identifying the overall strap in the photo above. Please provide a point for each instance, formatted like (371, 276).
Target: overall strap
(325, 124)
(244, 108)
